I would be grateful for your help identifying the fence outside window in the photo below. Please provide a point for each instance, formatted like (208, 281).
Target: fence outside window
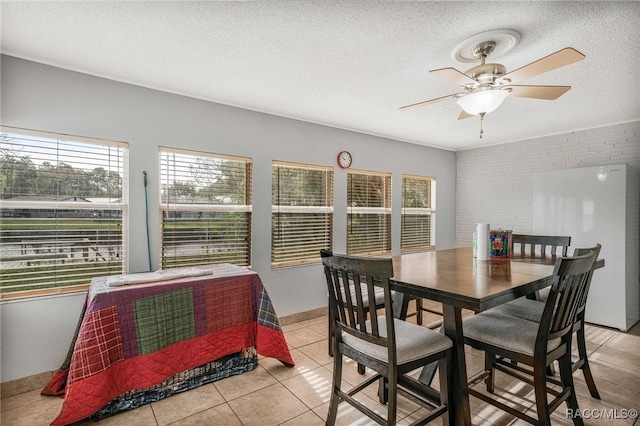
(64, 212)
(205, 208)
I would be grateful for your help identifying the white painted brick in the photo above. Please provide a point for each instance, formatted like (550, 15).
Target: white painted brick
(507, 172)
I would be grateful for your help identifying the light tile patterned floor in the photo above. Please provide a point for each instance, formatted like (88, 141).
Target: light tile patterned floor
(275, 395)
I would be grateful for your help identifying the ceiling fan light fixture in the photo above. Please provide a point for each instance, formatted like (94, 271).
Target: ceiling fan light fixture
(483, 101)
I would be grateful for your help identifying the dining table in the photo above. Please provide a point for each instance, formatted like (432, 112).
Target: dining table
(460, 281)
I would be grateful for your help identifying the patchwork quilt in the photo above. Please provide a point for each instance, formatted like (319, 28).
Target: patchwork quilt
(135, 336)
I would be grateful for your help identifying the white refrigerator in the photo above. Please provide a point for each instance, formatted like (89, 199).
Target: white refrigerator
(597, 205)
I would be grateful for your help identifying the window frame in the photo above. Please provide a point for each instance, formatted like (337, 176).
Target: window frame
(166, 206)
(277, 262)
(384, 209)
(419, 211)
(73, 207)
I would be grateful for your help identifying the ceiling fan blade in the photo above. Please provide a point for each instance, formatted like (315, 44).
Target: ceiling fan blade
(430, 101)
(559, 59)
(464, 114)
(538, 92)
(455, 76)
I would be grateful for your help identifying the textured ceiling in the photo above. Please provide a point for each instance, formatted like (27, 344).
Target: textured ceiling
(346, 64)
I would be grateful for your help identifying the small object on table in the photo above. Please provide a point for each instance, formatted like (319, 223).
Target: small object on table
(500, 243)
(483, 241)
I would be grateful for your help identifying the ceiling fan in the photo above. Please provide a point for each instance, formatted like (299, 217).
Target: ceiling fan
(485, 86)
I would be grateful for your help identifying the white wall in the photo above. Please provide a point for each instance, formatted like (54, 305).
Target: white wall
(36, 333)
(495, 184)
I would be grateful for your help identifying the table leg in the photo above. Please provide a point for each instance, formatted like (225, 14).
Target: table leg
(458, 400)
(458, 394)
(400, 305)
(459, 408)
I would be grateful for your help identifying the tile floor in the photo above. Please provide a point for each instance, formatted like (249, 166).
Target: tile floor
(274, 395)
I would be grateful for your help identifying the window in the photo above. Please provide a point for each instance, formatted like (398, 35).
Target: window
(302, 213)
(369, 212)
(205, 206)
(63, 218)
(418, 213)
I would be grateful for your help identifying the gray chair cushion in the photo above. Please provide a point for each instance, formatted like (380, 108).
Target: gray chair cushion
(412, 341)
(505, 331)
(524, 308)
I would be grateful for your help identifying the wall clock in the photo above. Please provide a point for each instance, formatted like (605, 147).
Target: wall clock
(344, 159)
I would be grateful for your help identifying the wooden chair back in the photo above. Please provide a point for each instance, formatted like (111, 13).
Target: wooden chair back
(350, 282)
(585, 294)
(571, 275)
(536, 245)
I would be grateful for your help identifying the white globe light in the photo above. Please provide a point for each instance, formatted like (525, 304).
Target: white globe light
(482, 101)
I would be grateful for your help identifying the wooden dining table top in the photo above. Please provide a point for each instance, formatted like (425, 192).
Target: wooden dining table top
(455, 277)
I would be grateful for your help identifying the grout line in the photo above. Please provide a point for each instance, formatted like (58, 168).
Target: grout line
(153, 413)
(626, 354)
(234, 413)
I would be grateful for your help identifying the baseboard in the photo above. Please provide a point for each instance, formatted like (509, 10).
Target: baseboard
(25, 384)
(302, 316)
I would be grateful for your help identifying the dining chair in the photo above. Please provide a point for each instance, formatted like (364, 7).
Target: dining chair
(532, 310)
(534, 344)
(392, 348)
(536, 246)
(540, 247)
(379, 304)
(421, 308)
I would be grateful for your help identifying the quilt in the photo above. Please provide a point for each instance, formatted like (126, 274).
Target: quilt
(135, 336)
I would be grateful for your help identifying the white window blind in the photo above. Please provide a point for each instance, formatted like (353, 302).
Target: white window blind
(369, 213)
(205, 206)
(302, 213)
(418, 213)
(64, 212)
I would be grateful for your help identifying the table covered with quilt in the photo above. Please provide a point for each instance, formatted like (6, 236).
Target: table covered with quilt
(142, 337)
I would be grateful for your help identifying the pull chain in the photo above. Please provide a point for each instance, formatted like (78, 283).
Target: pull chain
(481, 120)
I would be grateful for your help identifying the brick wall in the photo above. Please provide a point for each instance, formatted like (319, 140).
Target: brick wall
(507, 171)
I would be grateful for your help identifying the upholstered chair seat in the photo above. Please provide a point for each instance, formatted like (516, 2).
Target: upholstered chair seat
(506, 331)
(524, 308)
(412, 341)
